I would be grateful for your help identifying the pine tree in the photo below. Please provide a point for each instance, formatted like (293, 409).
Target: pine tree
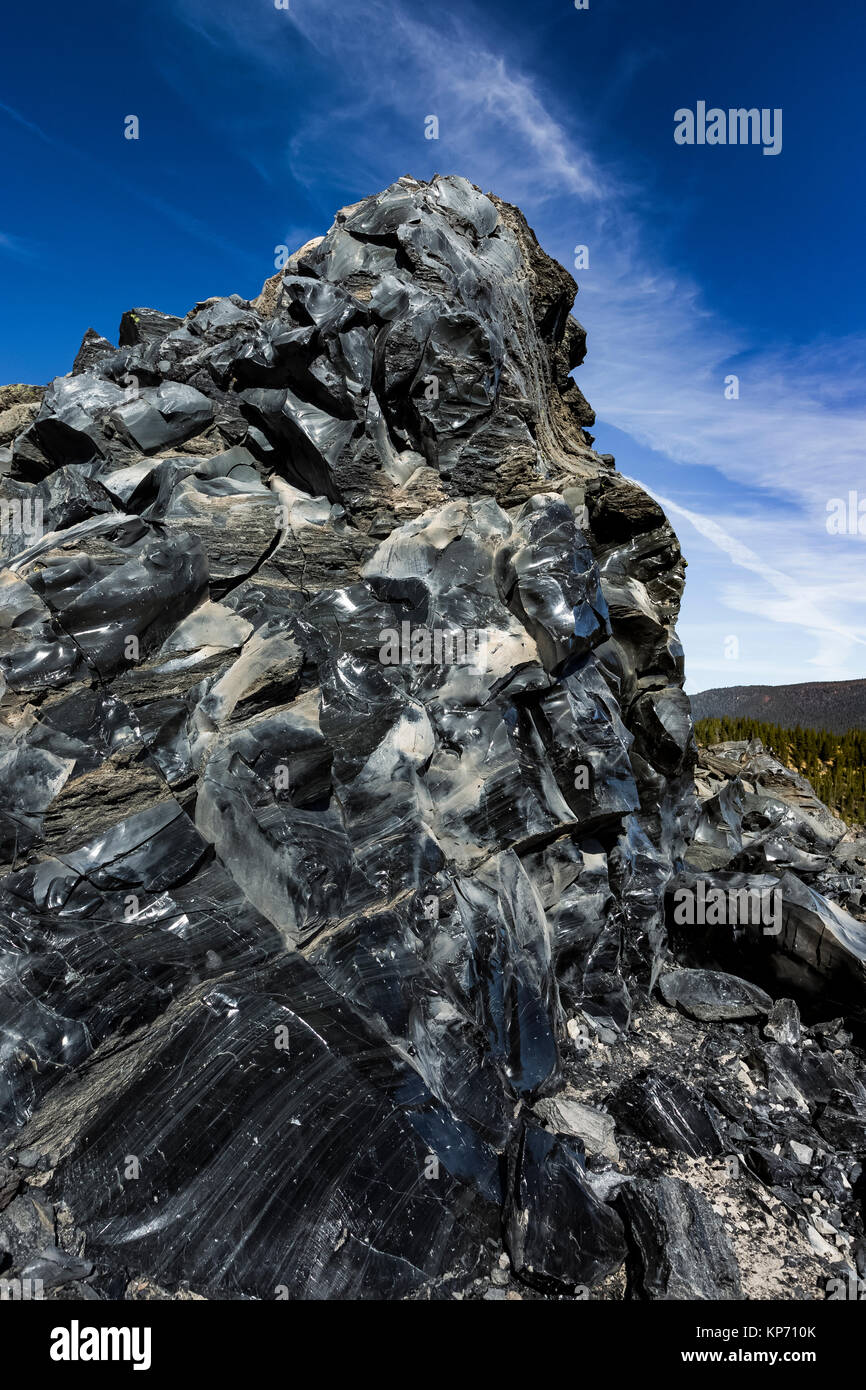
(834, 764)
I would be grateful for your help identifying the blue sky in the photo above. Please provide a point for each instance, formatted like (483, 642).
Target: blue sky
(256, 124)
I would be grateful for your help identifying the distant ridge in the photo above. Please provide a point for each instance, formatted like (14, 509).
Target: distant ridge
(834, 705)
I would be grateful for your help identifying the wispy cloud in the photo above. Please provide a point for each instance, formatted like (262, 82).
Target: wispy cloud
(772, 460)
(658, 368)
(15, 247)
(658, 356)
(392, 69)
(26, 123)
(182, 219)
(816, 599)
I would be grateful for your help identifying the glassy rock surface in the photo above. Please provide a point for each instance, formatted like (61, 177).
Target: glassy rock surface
(711, 995)
(669, 1114)
(349, 791)
(679, 1246)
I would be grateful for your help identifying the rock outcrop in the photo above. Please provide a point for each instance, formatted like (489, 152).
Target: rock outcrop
(349, 789)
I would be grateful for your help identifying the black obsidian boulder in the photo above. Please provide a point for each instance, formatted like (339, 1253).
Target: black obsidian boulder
(346, 767)
(711, 995)
(560, 1234)
(678, 1248)
(669, 1113)
(289, 1165)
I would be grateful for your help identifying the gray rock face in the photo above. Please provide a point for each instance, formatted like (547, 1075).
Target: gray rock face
(351, 659)
(564, 1114)
(347, 770)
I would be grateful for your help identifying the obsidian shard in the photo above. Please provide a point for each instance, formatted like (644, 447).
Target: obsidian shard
(326, 974)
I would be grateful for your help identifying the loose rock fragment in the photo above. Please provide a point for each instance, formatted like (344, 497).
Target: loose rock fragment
(559, 1234)
(566, 1115)
(711, 995)
(783, 1023)
(668, 1113)
(678, 1248)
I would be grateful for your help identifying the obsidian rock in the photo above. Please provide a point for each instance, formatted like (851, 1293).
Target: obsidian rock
(560, 1235)
(712, 995)
(678, 1248)
(346, 768)
(669, 1113)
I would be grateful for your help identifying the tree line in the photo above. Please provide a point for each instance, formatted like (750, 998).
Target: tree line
(835, 764)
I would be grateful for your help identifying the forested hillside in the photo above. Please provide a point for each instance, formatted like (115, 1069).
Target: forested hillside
(835, 705)
(835, 764)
